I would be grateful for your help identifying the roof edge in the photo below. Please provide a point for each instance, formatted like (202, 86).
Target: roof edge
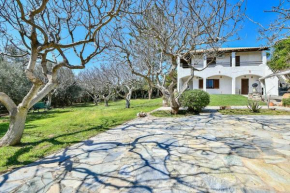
(236, 49)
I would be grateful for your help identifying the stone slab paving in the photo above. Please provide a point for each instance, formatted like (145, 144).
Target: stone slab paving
(206, 153)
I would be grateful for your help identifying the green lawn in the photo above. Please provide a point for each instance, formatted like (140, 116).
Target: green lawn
(229, 100)
(47, 132)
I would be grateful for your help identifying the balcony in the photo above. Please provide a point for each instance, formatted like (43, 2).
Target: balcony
(226, 64)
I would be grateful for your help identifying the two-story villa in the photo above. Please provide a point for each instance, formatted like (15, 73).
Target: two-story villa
(234, 71)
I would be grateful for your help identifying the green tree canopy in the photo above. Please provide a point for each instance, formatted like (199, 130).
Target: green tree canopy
(281, 56)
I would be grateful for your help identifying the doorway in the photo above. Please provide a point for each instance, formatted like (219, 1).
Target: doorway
(245, 86)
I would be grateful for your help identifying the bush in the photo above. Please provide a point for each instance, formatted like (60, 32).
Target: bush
(195, 100)
(286, 102)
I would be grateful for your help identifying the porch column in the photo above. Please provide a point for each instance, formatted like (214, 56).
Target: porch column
(264, 57)
(204, 61)
(204, 84)
(234, 85)
(233, 59)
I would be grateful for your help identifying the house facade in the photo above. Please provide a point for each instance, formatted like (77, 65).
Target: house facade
(234, 71)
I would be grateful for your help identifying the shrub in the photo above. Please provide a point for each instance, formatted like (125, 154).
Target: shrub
(286, 102)
(254, 106)
(195, 100)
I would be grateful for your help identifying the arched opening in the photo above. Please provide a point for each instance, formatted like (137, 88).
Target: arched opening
(244, 84)
(183, 80)
(219, 84)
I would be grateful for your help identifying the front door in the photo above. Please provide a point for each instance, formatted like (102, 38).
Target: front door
(245, 86)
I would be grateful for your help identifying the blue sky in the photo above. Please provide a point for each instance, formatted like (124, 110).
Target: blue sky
(249, 33)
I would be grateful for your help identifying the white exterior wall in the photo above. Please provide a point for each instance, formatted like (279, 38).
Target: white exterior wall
(195, 81)
(252, 79)
(253, 64)
(271, 83)
(225, 86)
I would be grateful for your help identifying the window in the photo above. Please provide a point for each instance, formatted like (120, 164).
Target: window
(183, 63)
(213, 83)
(211, 61)
(238, 61)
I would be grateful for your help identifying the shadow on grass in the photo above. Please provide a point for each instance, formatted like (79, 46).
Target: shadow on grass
(44, 115)
(4, 121)
(26, 147)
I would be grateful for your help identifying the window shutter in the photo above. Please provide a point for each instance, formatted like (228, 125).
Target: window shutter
(200, 83)
(231, 64)
(238, 61)
(216, 83)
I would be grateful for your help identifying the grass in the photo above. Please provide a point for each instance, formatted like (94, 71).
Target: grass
(229, 100)
(48, 132)
(181, 113)
(248, 112)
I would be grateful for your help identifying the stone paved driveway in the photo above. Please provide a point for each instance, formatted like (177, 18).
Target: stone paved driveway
(207, 153)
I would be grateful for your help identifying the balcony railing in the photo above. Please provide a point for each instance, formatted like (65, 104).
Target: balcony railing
(227, 64)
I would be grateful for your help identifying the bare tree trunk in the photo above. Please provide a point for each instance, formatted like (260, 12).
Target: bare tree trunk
(16, 128)
(17, 121)
(18, 113)
(165, 97)
(150, 91)
(49, 99)
(127, 103)
(96, 100)
(106, 102)
(174, 104)
(165, 102)
(128, 98)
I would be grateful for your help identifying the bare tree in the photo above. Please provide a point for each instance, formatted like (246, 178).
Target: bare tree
(49, 30)
(278, 28)
(277, 32)
(143, 57)
(96, 83)
(107, 86)
(176, 29)
(89, 82)
(122, 80)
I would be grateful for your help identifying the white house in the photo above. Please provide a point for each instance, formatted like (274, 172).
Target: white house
(234, 71)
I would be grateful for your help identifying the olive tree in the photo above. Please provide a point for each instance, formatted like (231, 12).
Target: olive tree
(66, 90)
(50, 31)
(13, 80)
